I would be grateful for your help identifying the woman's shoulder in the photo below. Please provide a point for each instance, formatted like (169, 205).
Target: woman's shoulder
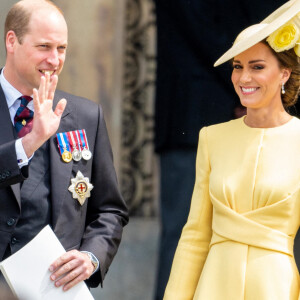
(296, 122)
(237, 127)
(225, 127)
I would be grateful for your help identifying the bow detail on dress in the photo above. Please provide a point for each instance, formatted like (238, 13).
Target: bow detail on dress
(253, 228)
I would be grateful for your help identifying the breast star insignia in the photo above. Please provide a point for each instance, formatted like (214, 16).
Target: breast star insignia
(80, 187)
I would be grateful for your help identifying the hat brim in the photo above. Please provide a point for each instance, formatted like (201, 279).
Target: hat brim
(274, 21)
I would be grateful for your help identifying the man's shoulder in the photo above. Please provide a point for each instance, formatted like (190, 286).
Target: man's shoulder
(76, 100)
(82, 106)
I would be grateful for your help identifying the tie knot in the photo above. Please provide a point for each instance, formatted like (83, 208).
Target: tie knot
(25, 100)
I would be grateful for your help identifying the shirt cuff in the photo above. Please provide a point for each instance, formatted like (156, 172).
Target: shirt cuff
(94, 258)
(22, 158)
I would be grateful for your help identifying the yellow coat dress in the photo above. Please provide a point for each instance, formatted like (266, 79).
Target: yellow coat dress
(238, 240)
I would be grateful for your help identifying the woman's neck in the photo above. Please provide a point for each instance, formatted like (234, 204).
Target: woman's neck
(265, 118)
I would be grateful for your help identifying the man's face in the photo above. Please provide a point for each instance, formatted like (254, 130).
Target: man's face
(43, 49)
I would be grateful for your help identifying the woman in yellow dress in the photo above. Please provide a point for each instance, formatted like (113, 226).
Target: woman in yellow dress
(245, 210)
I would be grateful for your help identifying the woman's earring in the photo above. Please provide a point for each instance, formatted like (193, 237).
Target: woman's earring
(282, 89)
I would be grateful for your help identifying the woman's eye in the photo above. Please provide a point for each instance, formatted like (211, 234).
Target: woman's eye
(237, 67)
(259, 67)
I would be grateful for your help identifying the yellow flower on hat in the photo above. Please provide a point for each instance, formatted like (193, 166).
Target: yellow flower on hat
(285, 37)
(297, 48)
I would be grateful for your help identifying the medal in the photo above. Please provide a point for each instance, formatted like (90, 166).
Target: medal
(80, 187)
(76, 154)
(66, 156)
(86, 153)
(64, 147)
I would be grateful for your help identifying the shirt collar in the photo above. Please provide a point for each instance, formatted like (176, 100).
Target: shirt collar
(11, 94)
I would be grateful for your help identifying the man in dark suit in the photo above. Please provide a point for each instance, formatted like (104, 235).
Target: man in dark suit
(190, 94)
(78, 198)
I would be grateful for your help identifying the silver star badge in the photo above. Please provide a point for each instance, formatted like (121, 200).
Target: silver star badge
(80, 187)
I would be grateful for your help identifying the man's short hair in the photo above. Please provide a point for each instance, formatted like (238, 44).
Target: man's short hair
(19, 16)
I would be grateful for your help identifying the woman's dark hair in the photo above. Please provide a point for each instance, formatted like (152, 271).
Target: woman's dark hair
(288, 59)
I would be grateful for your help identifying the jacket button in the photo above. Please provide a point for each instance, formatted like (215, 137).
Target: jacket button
(11, 222)
(14, 241)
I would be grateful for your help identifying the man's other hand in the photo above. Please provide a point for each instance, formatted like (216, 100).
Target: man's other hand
(70, 269)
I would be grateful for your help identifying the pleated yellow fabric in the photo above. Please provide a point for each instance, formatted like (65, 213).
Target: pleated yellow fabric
(245, 212)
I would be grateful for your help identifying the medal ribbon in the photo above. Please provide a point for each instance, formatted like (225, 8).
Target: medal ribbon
(72, 141)
(78, 140)
(83, 139)
(66, 141)
(63, 142)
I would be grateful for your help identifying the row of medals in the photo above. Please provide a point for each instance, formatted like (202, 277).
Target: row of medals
(76, 155)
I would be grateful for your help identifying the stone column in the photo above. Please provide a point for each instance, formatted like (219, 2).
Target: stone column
(139, 180)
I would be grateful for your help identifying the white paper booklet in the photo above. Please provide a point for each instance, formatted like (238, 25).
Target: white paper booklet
(27, 271)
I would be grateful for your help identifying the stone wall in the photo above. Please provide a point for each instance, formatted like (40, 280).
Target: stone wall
(139, 178)
(4, 8)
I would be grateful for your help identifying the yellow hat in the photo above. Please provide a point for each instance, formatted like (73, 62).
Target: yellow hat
(281, 28)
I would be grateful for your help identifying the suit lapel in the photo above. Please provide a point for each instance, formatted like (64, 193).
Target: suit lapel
(7, 135)
(39, 165)
(60, 171)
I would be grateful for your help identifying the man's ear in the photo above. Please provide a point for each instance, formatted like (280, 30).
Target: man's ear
(11, 40)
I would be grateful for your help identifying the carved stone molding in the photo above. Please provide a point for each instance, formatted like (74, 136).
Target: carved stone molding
(138, 162)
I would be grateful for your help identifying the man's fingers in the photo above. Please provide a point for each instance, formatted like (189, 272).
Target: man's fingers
(65, 270)
(36, 101)
(60, 261)
(52, 87)
(42, 90)
(78, 273)
(60, 107)
(75, 281)
(47, 84)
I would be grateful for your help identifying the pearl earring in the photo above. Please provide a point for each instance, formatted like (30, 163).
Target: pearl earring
(282, 89)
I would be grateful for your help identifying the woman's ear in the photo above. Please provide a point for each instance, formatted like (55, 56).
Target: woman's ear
(286, 73)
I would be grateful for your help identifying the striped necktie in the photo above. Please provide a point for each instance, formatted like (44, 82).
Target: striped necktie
(24, 117)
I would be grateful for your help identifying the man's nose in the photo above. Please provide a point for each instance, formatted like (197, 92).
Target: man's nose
(53, 58)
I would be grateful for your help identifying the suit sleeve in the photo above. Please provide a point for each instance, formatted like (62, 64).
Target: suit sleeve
(10, 173)
(194, 242)
(107, 212)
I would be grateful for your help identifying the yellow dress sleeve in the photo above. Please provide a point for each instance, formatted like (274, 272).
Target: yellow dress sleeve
(194, 242)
